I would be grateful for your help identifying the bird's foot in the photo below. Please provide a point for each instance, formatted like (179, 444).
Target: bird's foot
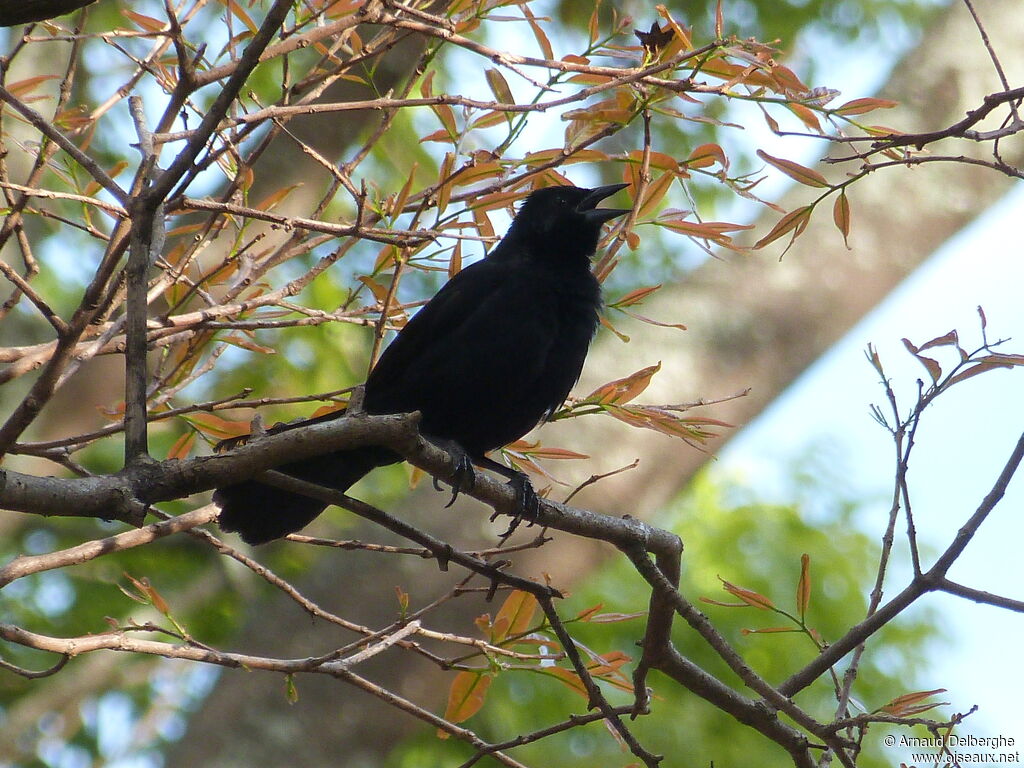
(463, 476)
(527, 503)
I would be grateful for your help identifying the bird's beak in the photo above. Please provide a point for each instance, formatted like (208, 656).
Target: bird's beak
(588, 204)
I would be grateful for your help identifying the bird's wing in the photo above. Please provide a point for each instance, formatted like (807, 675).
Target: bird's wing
(483, 336)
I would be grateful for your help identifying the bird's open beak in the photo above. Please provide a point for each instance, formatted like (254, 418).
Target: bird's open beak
(588, 205)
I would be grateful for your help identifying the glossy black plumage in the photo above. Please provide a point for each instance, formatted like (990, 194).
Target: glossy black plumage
(490, 356)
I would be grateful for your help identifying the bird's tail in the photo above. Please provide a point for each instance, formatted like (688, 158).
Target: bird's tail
(260, 513)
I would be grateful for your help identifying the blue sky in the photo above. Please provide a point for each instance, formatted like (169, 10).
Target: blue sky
(963, 444)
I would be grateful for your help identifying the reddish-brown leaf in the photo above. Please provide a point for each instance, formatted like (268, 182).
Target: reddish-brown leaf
(478, 172)
(723, 604)
(795, 221)
(794, 170)
(860, 106)
(932, 366)
(945, 340)
(788, 80)
(807, 116)
(635, 296)
(988, 363)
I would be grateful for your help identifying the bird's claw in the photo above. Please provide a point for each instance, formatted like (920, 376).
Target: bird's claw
(463, 477)
(527, 503)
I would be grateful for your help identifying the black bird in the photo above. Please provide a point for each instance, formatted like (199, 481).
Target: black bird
(494, 353)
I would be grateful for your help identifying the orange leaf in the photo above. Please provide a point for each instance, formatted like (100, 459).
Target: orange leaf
(323, 410)
(807, 116)
(270, 201)
(538, 33)
(795, 171)
(788, 80)
(182, 446)
(610, 662)
(707, 154)
(515, 615)
(478, 172)
(447, 117)
(239, 12)
(607, 324)
(901, 704)
(748, 596)
(705, 230)
(465, 697)
(569, 678)
(796, 220)
(541, 452)
(635, 296)
(441, 135)
(860, 106)
(681, 37)
(623, 390)
(380, 292)
(148, 23)
(654, 194)
(215, 426)
(455, 262)
(29, 84)
(841, 216)
(488, 120)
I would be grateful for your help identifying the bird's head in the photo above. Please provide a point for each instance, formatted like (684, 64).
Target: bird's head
(563, 222)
